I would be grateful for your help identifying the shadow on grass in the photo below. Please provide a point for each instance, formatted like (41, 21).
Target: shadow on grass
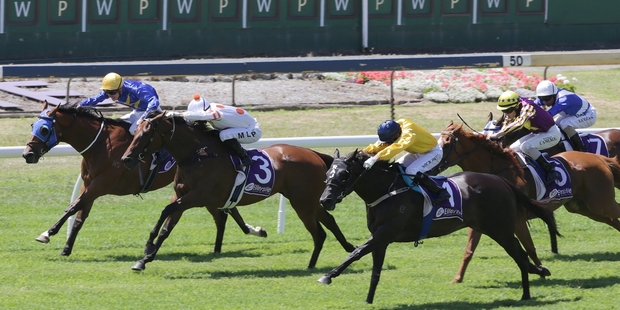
(484, 305)
(279, 273)
(590, 257)
(583, 283)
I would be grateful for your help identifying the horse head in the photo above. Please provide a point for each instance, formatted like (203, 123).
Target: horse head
(44, 136)
(471, 151)
(148, 138)
(340, 178)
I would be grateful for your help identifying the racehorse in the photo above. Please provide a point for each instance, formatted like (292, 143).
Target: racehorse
(593, 178)
(395, 212)
(101, 142)
(609, 137)
(206, 176)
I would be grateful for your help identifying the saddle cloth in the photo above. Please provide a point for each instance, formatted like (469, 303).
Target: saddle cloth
(256, 179)
(560, 189)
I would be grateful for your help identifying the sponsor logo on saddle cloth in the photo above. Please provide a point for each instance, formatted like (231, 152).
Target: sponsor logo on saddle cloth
(560, 189)
(594, 144)
(261, 176)
(451, 208)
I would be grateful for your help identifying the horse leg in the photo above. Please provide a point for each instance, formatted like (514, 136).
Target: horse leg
(314, 228)
(170, 222)
(220, 217)
(150, 247)
(245, 227)
(473, 238)
(380, 238)
(524, 236)
(512, 246)
(329, 221)
(378, 256)
(75, 206)
(80, 218)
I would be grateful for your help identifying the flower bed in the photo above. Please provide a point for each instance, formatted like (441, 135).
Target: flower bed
(462, 85)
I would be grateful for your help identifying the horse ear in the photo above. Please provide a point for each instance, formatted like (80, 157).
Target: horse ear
(337, 154)
(490, 117)
(44, 105)
(54, 110)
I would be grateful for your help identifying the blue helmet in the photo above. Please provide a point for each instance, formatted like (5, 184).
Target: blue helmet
(389, 131)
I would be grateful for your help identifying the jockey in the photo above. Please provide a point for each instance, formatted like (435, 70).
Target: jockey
(572, 110)
(422, 152)
(236, 125)
(141, 97)
(544, 133)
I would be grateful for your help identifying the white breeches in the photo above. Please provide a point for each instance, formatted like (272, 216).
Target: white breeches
(243, 135)
(532, 143)
(584, 120)
(421, 162)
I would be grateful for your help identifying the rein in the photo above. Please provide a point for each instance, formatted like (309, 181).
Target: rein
(96, 137)
(444, 164)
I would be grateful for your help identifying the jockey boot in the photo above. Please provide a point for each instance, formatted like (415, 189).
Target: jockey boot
(240, 151)
(441, 194)
(577, 143)
(552, 175)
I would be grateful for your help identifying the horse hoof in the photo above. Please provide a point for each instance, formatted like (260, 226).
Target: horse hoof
(545, 272)
(43, 238)
(325, 280)
(139, 266)
(65, 253)
(457, 280)
(261, 232)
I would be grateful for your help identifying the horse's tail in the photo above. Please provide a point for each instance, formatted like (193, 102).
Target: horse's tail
(535, 208)
(326, 158)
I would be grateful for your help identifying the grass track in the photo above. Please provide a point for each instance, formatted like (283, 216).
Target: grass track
(270, 273)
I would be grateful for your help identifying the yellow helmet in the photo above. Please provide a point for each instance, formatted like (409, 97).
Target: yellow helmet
(111, 81)
(507, 100)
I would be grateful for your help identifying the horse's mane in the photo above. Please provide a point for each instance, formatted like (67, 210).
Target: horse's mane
(493, 147)
(204, 127)
(88, 112)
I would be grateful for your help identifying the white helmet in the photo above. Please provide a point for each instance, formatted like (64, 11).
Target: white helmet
(546, 88)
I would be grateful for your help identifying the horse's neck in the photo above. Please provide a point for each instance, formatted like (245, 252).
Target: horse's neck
(374, 183)
(85, 133)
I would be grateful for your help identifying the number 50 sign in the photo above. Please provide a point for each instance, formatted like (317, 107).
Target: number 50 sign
(517, 60)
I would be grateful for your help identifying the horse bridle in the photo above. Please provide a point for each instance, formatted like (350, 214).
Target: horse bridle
(52, 133)
(141, 155)
(348, 186)
(444, 164)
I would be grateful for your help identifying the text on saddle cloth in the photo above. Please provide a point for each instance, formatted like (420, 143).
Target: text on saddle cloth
(559, 189)
(448, 209)
(261, 177)
(594, 144)
(451, 208)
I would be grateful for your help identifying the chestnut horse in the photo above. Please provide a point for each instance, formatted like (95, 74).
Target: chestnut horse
(101, 142)
(206, 176)
(593, 180)
(490, 204)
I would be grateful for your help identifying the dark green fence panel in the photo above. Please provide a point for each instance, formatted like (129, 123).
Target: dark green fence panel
(98, 30)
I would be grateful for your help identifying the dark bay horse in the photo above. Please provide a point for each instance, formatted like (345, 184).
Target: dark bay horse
(101, 142)
(206, 176)
(394, 212)
(593, 180)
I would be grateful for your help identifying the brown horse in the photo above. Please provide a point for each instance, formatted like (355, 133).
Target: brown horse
(101, 142)
(593, 180)
(206, 176)
(611, 138)
(489, 204)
